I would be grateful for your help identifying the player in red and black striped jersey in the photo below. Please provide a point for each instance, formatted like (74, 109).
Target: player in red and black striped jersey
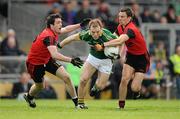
(43, 55)
(137, 58)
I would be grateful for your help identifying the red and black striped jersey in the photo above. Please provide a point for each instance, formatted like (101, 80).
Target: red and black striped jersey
(136, 43)
(39, 53)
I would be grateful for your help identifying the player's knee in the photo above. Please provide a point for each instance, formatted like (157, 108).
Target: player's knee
(101, 85)
(67, 79)
(83, 81)
(135, 87)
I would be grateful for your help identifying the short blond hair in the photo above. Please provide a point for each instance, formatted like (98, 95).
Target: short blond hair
(95, 23)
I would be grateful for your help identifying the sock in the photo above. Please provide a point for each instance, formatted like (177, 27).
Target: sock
(136, 95)
(75, 100)
(121, 103)
(81, 101)
(95, 88)
(30, 97)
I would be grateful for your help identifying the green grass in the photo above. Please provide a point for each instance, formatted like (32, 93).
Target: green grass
(98, 109)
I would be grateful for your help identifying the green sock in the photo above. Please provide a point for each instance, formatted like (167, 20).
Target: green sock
(95, 88)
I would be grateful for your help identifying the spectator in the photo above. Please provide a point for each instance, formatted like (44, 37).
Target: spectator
(174, 66)
(145, 16)
(170, 15)
(163, 20)
(151, 43)
(68, 15)
(22, 86)
(48, 92)
(136, 18)
(159, 78)
(160, 52)
(84, 11)
(155, 17)
(55, 9)
(9, 46)
(103, 12)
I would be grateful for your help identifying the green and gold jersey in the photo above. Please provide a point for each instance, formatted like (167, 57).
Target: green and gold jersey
(106, 36)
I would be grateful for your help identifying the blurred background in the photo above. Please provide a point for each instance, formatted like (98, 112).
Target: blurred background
(22, 20)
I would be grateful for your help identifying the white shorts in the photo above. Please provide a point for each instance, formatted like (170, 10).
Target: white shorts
(102, 65)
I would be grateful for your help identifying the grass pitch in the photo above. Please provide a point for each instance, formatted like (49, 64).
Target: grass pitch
(98, 109)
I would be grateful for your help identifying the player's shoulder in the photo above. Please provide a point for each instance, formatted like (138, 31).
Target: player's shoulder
(84, 34)
(108, 34)
(106, 31)
(132, 26)
(47, 32)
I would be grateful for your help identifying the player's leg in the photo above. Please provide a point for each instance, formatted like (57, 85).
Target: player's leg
(60, 72)
(136, 84)
(101, 83)
(87, 71)
(64, 75)
(127, 73)
(37, 72)
(104, 71)
(34, 90)
(141, 66)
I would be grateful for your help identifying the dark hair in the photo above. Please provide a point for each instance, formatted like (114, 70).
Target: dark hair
(128, 11)
(51, 18)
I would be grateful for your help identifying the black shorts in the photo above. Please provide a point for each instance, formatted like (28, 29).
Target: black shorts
(139, 62)
(37, 71)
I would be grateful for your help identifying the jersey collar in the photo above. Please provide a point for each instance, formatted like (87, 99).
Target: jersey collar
(52, 32)
(125, 25)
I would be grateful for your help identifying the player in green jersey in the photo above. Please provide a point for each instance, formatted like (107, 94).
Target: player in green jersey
(96, 60)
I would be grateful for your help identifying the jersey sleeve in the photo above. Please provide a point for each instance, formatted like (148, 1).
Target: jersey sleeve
(116, 31)
(49, 41)
(83, 35)
(130, 33)
(109, 35)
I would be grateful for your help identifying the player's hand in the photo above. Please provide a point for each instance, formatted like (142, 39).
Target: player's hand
(99, 47)
(59, 46)
(85, 22)
(77, 62)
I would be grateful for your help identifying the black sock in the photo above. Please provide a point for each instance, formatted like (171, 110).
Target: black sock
(30, 97)
(75, 100)
(136, 95)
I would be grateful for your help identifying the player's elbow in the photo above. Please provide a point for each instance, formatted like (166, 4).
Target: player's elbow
(54, 55)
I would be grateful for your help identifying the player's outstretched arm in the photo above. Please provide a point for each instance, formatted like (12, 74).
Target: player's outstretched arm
(68, 40)
(70, 28)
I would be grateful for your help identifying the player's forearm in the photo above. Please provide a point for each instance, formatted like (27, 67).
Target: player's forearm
(119, 41)
(56, 55)
(69, 40)
(70, 28)
(61, 57)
